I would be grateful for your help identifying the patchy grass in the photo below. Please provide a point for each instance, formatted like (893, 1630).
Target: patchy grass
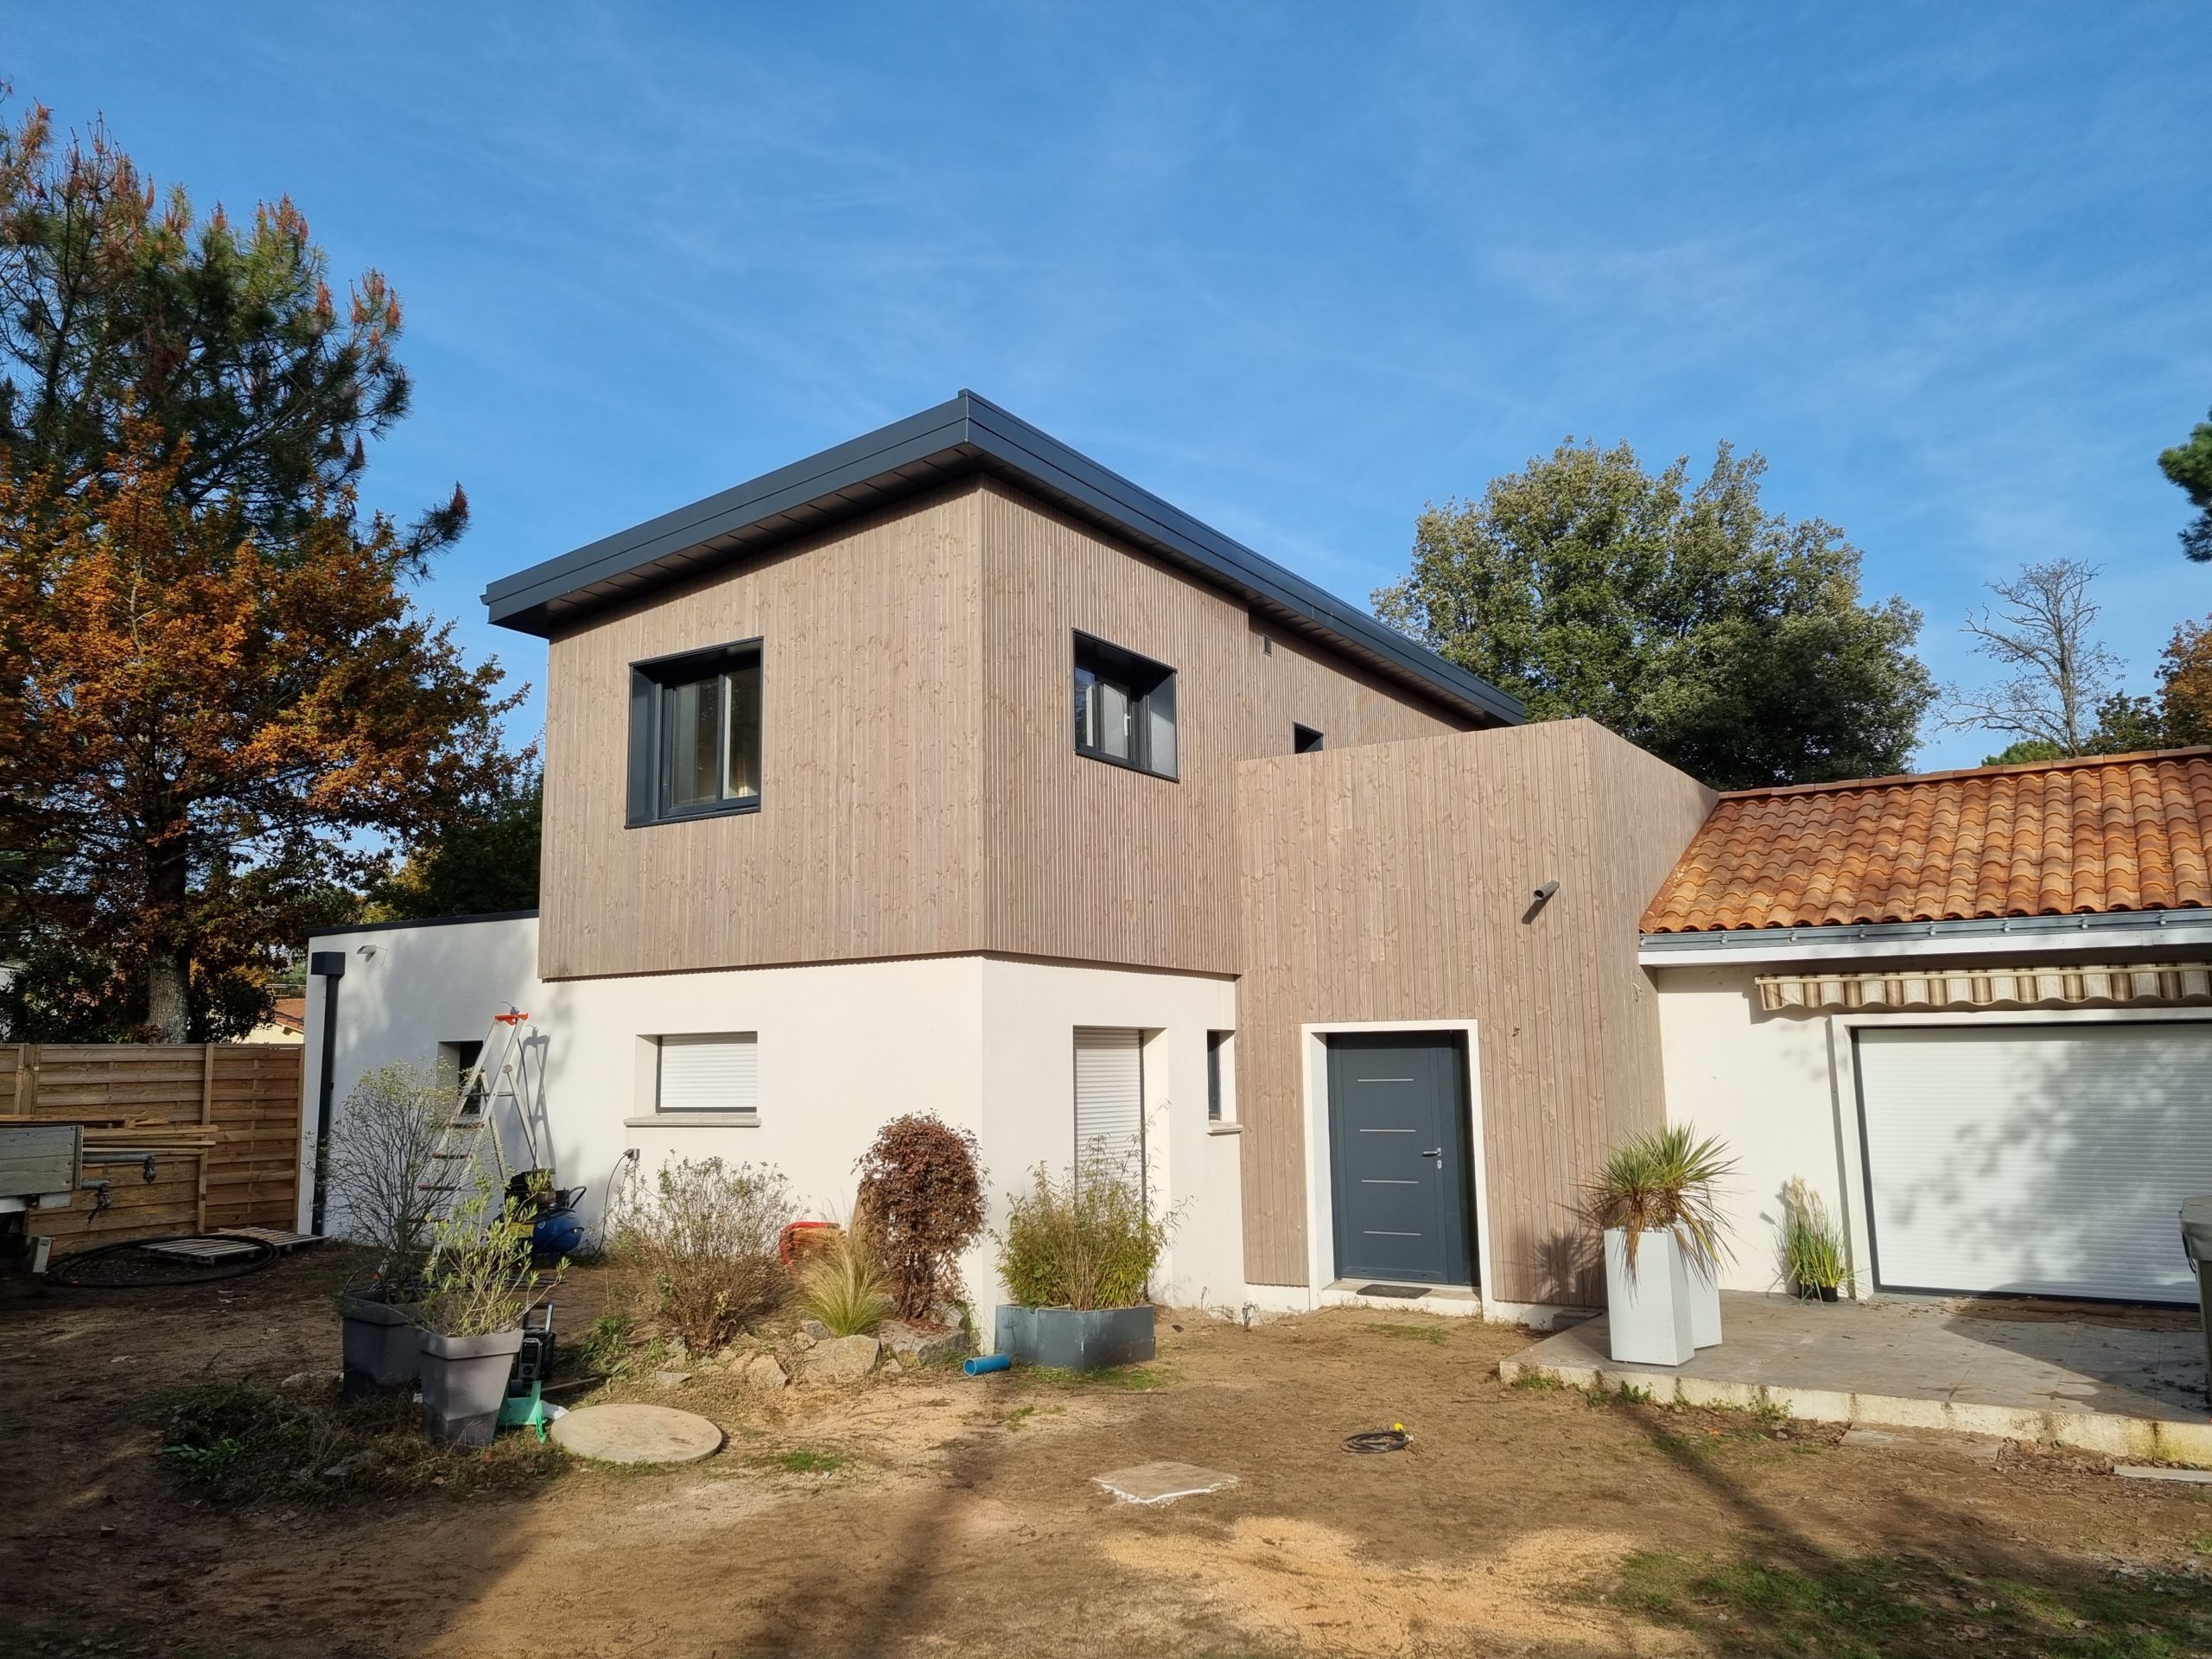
(1020, 1415)
(238, 1441)
(1883, 1607)
(1431, 1334)
(800, 1460)
(604, 1349)
(1537, 1383)
(1626, 1393)
(1131, 1379)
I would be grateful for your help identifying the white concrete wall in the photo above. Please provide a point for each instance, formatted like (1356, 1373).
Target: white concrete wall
(1762, 1082)
(984, 1044)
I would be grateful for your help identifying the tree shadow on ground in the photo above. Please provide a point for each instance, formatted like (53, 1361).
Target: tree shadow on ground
(1947, 1587)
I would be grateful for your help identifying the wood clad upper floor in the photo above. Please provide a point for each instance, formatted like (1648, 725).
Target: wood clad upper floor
(918, 786)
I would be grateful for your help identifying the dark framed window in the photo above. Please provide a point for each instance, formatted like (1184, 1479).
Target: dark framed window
(694, 734)
(1216, 1042)
(1124, 708)
(1304, 739)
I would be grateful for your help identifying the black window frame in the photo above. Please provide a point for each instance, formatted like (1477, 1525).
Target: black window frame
(649, 682)
(1152, 689)
(1305, 739)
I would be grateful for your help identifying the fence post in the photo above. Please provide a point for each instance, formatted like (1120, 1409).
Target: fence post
(208, 1122)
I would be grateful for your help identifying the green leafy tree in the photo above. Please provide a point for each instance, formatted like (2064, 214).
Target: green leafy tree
(1722, 637)
(484, 860)
(2188, 465)
(2026, 751)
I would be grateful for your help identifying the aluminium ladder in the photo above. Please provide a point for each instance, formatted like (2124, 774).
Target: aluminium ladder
(477, 1103)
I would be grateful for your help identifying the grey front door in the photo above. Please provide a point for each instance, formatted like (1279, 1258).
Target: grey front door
(1398, 1158)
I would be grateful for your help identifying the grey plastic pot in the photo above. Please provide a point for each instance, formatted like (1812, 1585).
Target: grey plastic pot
(1076, 1339)
(380, 1346)
(464, 1380)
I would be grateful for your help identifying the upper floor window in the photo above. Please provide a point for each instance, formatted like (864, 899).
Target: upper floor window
(695, 734)
(1304, 739)
(1124, 707)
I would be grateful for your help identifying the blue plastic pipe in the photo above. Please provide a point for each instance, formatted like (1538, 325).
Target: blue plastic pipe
(983, 1363)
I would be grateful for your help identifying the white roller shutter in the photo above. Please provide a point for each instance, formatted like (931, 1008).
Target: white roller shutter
(2048, 1160)
(1109, 1099)
(719, 1073)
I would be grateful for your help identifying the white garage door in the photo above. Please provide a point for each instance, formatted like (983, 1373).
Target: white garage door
(2048, 1160)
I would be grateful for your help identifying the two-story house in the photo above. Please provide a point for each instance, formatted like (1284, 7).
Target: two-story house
(948, 771)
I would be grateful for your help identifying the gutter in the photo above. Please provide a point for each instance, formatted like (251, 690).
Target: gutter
(1995, 935)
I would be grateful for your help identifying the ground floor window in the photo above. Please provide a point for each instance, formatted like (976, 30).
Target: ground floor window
(717, 1073)
(1216, 1082)
(1110, 1100)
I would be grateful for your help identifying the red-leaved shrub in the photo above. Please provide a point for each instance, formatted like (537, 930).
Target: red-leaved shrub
(921, 1204)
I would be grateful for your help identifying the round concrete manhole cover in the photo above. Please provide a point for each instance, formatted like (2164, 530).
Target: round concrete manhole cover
(626, 1434)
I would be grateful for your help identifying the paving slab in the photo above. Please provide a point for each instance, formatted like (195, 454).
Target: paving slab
(1163, 1482)
(635, 1433)
(2120, 1384)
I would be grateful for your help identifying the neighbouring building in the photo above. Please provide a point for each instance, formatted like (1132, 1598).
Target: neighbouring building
(947, 770)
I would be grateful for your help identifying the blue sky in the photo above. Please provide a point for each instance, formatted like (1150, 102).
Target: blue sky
(1297, 268)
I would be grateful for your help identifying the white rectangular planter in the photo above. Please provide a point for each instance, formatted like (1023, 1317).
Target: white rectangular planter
(1647, 1310)
(1705, 1307)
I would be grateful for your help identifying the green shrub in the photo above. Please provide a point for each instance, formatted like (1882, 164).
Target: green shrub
(705, 1235)
(843, 1286)
(921, 1200)
(1087, 1242)
(480, 1278)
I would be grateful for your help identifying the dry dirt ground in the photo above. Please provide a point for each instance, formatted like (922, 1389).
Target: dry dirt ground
(933, 1513)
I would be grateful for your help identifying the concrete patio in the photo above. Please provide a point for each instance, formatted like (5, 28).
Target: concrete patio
(2126, 1383)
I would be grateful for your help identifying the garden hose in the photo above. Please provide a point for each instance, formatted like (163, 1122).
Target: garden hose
(156, 1273)
(1393, 1439)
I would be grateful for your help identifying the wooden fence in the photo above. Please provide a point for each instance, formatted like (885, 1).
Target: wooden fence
(221, 1119)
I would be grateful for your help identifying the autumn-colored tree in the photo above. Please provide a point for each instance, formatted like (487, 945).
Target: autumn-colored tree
(204, 743)
(2179, 716)
(219, 709)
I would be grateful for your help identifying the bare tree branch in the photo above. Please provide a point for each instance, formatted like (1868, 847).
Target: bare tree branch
(2058, 671)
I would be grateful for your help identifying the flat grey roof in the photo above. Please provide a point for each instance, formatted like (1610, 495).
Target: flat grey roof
(966, 434)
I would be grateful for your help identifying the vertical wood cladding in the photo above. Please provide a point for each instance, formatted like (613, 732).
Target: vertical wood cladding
(865, 842)
(1391, 882)
(921, 793)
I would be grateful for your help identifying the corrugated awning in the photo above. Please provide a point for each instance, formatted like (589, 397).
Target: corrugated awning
(2048, 986)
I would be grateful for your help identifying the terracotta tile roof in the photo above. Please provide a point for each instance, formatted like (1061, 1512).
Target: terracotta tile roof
(2054, 838)
(291, 1013)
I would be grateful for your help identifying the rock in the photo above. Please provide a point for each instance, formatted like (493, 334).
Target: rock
(814, 1330)
(917, 1346)
(367, 1458)
(762, 1372)
(678, 1352)
(299, 1380)
(670, 1379)
(842, 1359)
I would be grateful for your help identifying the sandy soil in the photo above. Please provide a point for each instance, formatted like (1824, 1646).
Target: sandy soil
(967, 1519)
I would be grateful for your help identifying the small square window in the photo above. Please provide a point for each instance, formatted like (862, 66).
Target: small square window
(1124, 708)
(1304, 739)
(717, 1073)
(694, 734)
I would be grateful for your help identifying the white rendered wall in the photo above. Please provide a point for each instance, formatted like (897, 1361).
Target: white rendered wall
(1762, 1082)
(986, 1045)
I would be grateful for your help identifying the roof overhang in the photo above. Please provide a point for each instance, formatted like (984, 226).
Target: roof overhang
(1985, 937)
(963, 437)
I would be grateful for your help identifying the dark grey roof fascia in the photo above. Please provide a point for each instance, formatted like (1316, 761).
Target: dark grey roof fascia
(426, 921)
(1719, 941)
(966, 433)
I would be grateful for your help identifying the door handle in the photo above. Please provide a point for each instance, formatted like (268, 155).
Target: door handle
(1436, 1152)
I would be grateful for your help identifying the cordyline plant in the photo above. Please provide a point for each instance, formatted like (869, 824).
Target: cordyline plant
(1664, 1181)
(218, 703)
(921, 1204)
